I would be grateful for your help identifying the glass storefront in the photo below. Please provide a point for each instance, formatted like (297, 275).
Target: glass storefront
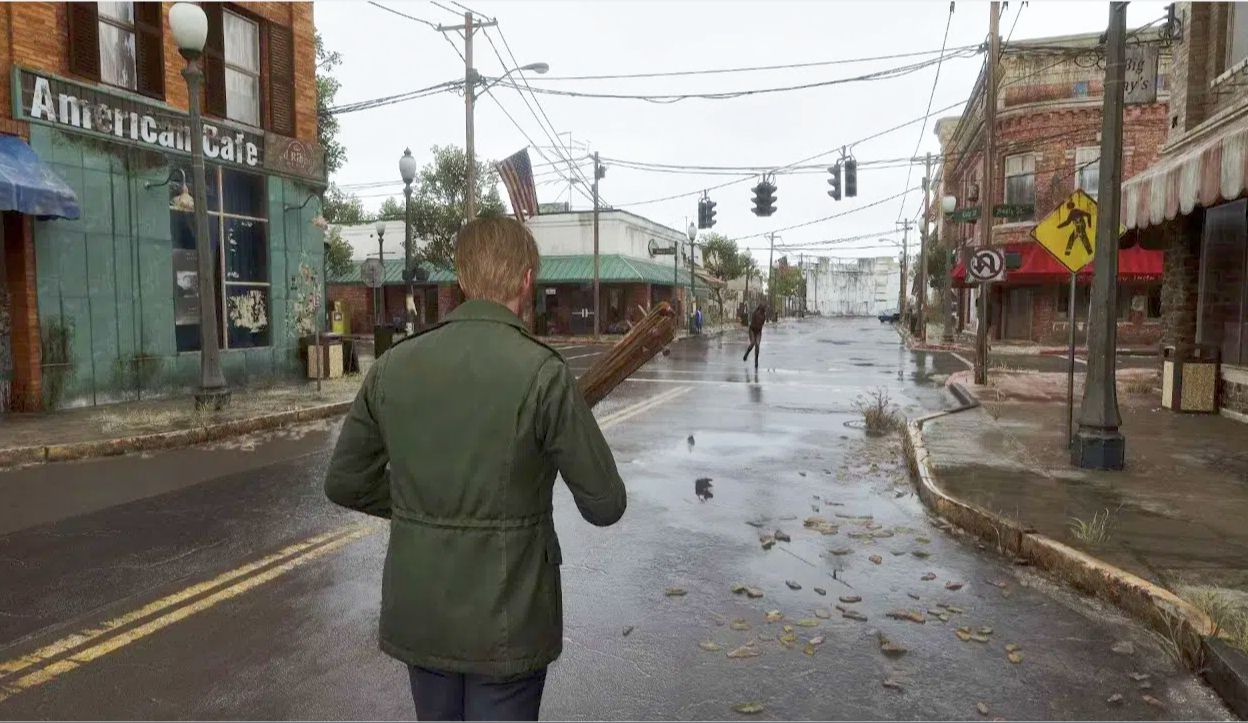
(1222, 316)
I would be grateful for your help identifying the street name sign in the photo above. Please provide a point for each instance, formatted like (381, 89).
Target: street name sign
(372, 272)
(986, 265)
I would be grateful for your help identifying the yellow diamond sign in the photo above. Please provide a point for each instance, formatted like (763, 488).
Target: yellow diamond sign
(1069, 231)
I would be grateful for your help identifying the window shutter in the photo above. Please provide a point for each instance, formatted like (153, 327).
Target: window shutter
(281, 80)
(149, 48)
(84, 40)
(214, 62)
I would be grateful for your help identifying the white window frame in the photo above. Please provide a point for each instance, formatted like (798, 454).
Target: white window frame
(1089, 156)
(107, 48)
(232, 113)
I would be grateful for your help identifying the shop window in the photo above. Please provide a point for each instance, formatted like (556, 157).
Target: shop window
(238, 231)
(118, 43)
(1020, 180)
(1088, 169)
(1143, 300)
(1222, 316)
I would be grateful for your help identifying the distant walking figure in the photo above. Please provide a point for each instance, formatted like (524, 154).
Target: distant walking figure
(1079, 218)
(757, 319)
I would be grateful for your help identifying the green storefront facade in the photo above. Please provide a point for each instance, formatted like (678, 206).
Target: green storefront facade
(116, 288)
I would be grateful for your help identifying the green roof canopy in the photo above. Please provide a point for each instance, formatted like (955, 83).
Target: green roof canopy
(574, 269)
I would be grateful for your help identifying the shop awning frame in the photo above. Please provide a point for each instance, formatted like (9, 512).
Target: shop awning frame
(30, 186)
(1135, 264)
(1212, 171)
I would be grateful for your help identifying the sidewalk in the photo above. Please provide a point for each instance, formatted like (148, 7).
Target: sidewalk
(1175, 517)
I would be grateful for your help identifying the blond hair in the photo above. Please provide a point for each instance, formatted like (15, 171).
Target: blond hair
(491, 256)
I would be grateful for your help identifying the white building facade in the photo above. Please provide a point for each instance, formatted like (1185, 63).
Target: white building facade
(853, 287)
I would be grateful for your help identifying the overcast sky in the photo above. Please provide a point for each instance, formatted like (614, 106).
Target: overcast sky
(384, 54)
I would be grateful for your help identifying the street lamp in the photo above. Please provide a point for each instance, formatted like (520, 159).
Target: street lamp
(471, 79)
(380, 228)
(948, 203)
(189, 25)
(407, 170)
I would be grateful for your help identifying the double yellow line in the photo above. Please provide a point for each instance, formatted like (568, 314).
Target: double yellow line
(80, 648)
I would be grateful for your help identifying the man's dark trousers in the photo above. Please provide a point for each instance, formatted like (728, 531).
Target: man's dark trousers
(459, 696)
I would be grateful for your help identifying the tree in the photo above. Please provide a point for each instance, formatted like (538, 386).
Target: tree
(337, 253)
(342, 208)
(787, 281)
(326, 124)
(724, 262)
(438, 202)
(391, 210)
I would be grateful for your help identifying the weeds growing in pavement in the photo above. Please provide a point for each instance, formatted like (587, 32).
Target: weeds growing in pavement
(1139, 385)
(1229, 617)
(878, 413)
(1094, 531)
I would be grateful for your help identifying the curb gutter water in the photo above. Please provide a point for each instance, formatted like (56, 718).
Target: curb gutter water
(1223, 667)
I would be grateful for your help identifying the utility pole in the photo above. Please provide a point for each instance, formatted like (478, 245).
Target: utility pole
(923, 245)
(801, 264)
(597, 294)
(471, 78)
(988, 185)
(904, 296)
(1099, 444)
(771, 277)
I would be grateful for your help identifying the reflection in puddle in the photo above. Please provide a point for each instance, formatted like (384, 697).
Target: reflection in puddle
(702, 488)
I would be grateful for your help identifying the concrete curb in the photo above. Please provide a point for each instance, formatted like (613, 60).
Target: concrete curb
(41, 454)
(1223, 667)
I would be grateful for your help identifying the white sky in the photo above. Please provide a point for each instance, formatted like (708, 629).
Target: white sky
(384, 54)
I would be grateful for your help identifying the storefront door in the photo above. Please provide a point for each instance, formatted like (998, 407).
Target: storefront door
(1018, 313)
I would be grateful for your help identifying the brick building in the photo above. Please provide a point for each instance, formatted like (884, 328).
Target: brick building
(633, 274)
(1191, 201)
(99, 300)
(1047, 144)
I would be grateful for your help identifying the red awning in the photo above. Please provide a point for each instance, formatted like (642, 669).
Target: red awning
(1039, 267)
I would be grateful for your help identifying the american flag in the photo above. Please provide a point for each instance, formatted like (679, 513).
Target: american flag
(517, 175)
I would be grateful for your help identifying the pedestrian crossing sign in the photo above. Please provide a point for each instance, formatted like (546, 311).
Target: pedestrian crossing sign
(1069, 231)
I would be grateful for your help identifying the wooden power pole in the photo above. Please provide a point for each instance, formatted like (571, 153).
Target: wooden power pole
(987, 185)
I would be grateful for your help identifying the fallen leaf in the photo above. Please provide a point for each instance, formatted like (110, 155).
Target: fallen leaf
(767, 541)
(756, 523)
(822, 613)
(792, 585)
(766, 638)
(953, 586)
(739, 625)
(1012, 647)
(985, 630)
(876, 559)
(954, 610)
(979, 638)
(745, 651)
(928, 577)
(854, 615)
(997, 583)
(788, 639)
(820, 591)
(675, 592)
(850, 598)
(1153, 701)
(912, 596)
(808, 622)
(1115, 699)
(982, 707)
(1137, 677)
(814, 508)
(1123, 647)
(944, 617)
(841, 551)
(809, 649)
(1144, 685)
(738, 588)
(817, 640)
(802, 474)
(911, 615)
(890, 683)
(627, 629)
(753, 592)
(788, 628)
(783, 536)
(921, 554)
(788, 518)
(963, 634)
(923, 540)
(773, 616)
(897, 553)
(710, 646)
(748, 708)
(893, 649)
(1015, 657)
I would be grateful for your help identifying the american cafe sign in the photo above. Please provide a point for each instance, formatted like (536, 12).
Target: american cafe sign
(120, 117)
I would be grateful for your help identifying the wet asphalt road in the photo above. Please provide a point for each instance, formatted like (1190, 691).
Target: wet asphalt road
(217, 583)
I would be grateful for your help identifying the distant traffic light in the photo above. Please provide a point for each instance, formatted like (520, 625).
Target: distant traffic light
(764, 198)
(835, 182)
(706, 212)
(851, 178)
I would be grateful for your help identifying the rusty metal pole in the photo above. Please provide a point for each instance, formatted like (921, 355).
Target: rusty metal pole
(988, 186)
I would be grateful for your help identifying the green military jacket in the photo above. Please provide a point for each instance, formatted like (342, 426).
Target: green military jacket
(456, 437)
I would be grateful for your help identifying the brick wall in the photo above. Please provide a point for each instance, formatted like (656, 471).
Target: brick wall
(1180, 281)
(637, 295)
(449, 297)
(359, 301)
(19, 268)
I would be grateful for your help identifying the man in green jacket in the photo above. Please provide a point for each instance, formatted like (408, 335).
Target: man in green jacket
(456, 437)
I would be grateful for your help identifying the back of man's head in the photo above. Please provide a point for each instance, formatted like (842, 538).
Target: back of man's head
(492, 256)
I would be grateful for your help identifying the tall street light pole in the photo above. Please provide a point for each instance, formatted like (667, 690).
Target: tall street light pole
(407, 171)
(599, 172)
(189, 25)
(988, 187)
(1099, 444)
(380, 228)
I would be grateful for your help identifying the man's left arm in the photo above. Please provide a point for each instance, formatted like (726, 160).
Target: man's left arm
(358, 477)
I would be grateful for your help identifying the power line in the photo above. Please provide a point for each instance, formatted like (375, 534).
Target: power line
(403, 14)
(390, 99)
(931, 96)
(748, 69)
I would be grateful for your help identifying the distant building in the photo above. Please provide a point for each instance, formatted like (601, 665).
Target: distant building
(636, 268)
(852, 287)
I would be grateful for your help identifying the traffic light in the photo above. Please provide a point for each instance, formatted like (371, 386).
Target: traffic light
(835, 182)
(706, 212)
(851, 178)
(764, 198)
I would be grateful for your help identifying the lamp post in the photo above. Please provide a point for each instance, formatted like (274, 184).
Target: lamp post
(947, 206)
(407, 170)
(471, 79)
(189, 25)
(380, 228)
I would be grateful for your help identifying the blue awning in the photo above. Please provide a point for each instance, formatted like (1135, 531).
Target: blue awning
(29, 186)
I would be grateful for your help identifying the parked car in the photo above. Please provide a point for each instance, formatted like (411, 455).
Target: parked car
(889, 316)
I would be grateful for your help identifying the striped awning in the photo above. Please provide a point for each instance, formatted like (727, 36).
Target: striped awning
(1215, 170)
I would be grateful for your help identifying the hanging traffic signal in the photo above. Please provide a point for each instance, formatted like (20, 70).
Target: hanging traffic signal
(835, 182)
(764, 198)
(851, 178)
(701, 213)
(709, 205)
